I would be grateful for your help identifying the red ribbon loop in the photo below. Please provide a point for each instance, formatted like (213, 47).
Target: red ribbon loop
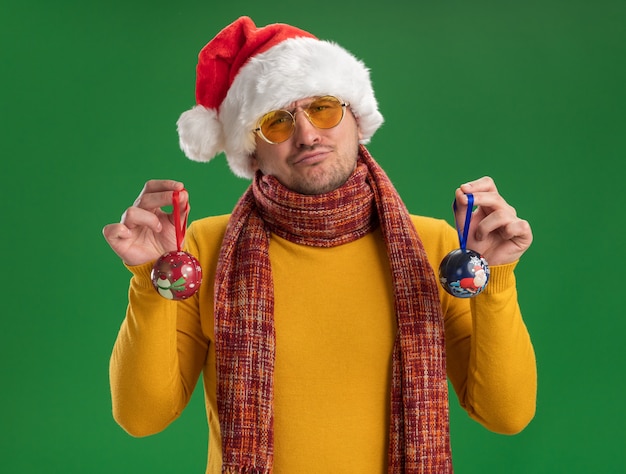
(180, 229)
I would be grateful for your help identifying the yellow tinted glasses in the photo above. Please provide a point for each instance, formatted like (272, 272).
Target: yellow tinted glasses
(278, 125)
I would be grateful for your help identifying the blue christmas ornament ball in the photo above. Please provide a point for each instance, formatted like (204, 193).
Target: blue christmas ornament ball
(464, 273)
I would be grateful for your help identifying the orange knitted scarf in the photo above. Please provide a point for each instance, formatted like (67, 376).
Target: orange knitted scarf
(244, 317)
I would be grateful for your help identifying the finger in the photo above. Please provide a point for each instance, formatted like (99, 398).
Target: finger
(117, 231)
(183, 202)
(519, 229)
(180, 203)
(484, 184)
(156, 200)
(489, 201)
(461, 203)
(158, 185)
(507, 225)
(157, 193)
(136, 217)
(460, 197)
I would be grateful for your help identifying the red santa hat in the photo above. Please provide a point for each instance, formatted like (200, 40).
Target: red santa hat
(246, 71)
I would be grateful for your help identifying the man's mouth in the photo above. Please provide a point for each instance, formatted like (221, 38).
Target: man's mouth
(311, 157)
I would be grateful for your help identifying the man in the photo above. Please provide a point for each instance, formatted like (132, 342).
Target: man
(323, 338)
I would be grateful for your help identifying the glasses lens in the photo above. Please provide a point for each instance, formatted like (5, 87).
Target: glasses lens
(325, 112)
(276, 126)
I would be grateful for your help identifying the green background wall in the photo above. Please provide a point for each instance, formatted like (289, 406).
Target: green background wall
(532, 93)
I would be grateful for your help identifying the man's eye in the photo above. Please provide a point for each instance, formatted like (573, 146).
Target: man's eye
(278, 121)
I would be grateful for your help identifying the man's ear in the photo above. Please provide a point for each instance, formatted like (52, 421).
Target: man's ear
(254, 163)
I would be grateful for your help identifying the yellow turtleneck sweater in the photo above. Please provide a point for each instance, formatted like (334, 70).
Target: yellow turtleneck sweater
(335, 328)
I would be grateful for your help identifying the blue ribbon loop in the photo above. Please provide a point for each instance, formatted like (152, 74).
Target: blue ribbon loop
(468, 218)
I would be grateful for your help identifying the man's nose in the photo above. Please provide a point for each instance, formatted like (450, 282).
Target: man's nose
(305, 133)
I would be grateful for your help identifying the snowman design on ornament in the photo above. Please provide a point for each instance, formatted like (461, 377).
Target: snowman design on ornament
(176, 275)
(165, 287)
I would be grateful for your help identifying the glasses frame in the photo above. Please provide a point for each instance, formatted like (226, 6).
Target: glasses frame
(258, 131)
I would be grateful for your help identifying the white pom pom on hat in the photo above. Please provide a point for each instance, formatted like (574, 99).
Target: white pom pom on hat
(246, 71)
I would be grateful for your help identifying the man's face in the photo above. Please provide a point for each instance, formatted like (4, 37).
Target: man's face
(312, 160)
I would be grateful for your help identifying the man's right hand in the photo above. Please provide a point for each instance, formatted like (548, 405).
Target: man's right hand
(145, 231)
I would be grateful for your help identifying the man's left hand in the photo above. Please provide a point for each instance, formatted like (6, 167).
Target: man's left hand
(495, 230)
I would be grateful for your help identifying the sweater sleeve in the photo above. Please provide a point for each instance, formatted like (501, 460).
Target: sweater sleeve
(490, 358)
(491, 361)
(156, 359)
